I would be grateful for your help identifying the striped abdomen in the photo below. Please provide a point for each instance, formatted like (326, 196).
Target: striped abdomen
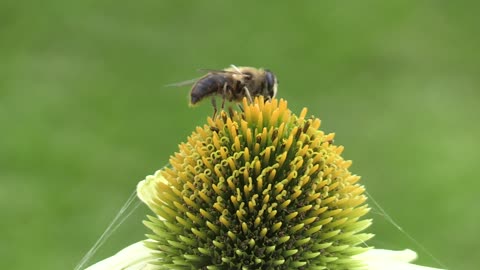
(208, 85)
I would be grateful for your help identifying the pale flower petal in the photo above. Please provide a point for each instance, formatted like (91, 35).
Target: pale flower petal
(133, 257)
(137, 257)
(381, 259)
(147, 189)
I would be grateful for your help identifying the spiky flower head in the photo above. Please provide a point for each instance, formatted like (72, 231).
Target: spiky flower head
(258, 189)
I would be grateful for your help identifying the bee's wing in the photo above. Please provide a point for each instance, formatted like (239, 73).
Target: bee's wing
(192, 81)
(236, 69)
(178, 84)
(219, 71)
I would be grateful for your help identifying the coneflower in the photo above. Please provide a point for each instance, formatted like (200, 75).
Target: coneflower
(257, 189)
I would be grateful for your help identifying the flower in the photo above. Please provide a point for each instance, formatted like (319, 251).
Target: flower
(261, 189)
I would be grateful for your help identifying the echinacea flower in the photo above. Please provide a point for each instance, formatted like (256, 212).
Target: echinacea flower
(257, 189)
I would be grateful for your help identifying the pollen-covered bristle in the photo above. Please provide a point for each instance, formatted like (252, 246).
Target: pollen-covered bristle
(258, 189)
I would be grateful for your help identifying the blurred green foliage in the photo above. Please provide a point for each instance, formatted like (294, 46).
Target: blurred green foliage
(84, 114)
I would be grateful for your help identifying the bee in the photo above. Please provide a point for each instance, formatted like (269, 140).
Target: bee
(233, 84)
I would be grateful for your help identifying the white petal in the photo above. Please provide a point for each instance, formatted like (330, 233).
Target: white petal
(133, 257)
(147, 189)
(381, 259)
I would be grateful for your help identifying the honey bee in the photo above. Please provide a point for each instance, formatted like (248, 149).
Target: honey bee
(233, 84)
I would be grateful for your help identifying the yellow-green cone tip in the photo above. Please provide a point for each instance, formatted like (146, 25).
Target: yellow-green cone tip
(259, 189)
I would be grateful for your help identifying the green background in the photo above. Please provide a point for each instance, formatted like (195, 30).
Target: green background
(84, 115)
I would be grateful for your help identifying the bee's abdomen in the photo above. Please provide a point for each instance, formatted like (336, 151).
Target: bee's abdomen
(206, 86)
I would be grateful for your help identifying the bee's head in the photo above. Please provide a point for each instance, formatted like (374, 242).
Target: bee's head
(272, 83)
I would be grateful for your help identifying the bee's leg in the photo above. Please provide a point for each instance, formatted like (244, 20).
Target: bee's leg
(224, 95)
(214, 104)
(240, 107)
(247, 93)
